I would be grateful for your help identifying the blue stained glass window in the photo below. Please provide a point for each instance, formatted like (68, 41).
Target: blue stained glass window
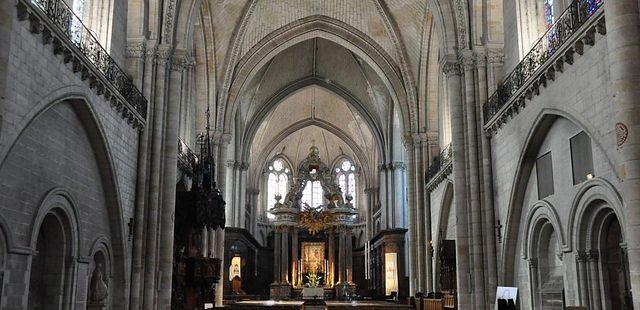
(548, 12)
(593, 5)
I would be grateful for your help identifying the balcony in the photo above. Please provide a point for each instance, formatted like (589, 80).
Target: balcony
(70, 38)
(439, 169)
(567, 36)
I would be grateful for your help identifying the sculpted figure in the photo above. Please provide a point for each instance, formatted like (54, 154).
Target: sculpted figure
(99, 287)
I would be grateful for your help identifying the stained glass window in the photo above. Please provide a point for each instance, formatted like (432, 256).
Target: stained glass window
(593, 5)
(347, 179)
(312, 194)
(548, 12)
(277, 183)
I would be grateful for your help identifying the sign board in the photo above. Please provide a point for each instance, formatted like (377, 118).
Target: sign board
(505, 292)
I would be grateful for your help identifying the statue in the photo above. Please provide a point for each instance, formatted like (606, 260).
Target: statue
(99, 286)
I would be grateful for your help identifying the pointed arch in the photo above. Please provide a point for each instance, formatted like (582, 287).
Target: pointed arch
(322, 27)
(535, 137)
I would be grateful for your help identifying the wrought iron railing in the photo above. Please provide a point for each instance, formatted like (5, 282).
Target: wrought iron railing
(186, 158)
(578, 12)
(71, 25)
(439, 162)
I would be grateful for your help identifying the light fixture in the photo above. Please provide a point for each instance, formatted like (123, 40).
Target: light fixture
(589, 176)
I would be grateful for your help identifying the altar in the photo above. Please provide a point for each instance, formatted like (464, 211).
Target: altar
(321, 251)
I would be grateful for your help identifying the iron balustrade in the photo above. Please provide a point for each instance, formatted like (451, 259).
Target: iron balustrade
(578, 12)
(82, 38)
(439, 162)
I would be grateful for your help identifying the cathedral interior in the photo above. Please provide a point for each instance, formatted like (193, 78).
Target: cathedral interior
(320, 154)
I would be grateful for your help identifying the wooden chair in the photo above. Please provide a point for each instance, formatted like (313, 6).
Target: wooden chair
(433, 304)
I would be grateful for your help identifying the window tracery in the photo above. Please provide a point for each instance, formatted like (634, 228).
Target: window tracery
(277, 183)
(312, 194)
(346, 175)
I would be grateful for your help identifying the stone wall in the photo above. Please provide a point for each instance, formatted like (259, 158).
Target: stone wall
(576, 101)
(57, 133)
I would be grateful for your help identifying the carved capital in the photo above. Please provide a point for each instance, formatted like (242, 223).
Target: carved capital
(163, 55)
(495, 56)
(467, 60)
(481, 58)
(244, 166)
(398, 165)
(581, 256)
(136, 49)
(451, 68)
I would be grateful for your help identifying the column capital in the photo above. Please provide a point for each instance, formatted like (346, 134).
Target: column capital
(382, 167)
(136, 48)
(467, 60)
(581, 256)
(398, 165)
(481, 57)
(163, 54)
(495, 56)
(450, 65)
(370, 190)
(244, 166)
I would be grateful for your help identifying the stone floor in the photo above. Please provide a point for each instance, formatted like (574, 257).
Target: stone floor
(330, 305)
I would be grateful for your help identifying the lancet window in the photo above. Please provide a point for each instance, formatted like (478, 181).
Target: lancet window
(277, 182)
(346, 175)
(312, 194)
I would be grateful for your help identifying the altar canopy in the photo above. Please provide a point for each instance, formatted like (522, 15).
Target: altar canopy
(313, 217)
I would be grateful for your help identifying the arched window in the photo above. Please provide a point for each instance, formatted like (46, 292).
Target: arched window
(346, 174)
(277, 183)
(312, 194)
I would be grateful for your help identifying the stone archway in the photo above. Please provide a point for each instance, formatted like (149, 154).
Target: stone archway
(51, 276)
(602, 262)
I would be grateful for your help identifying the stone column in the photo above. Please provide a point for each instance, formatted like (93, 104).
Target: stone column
(136, 59)
(428, 144)
(277, 239)
(213, 247)
(451, 69)
(242, 195)
(594, 279)
(349, 254)
(533, 278)
(398, 168)
(285, 255)
(204, 241)
(367, 213)
(220, 254)
(477, 248)
(294, 256)
(332, 271)
(341, 255)
(623, 43)
(382, 180)
(413, 231)
(583, 281)
(418, 174)
(151, 255)
(169, 178)
(491, 255)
